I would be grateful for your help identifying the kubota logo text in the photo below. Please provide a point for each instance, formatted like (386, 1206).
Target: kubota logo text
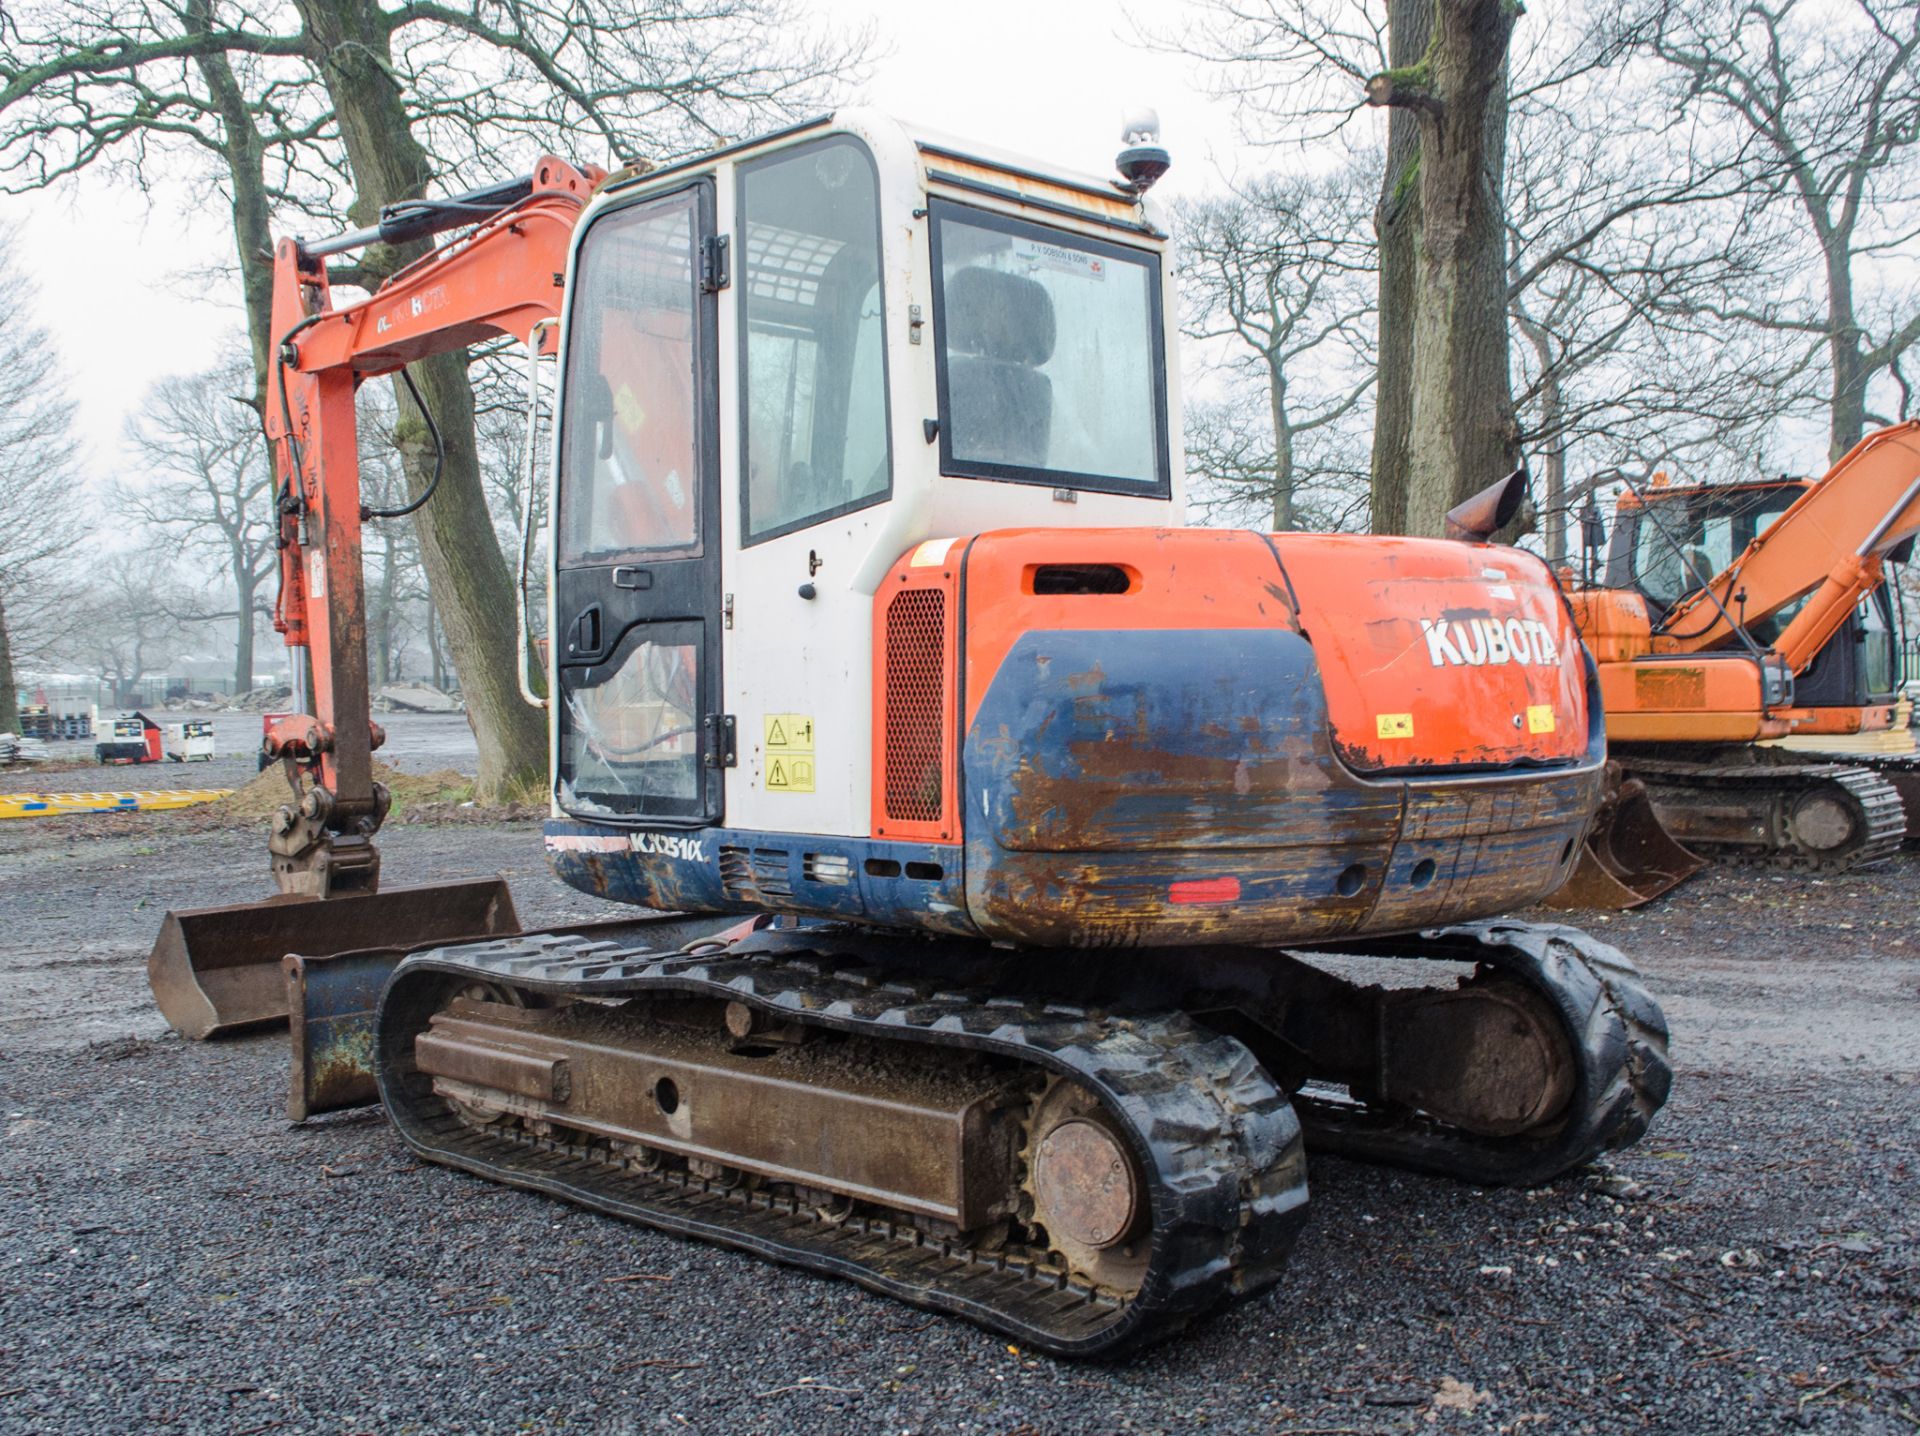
(1480, 641)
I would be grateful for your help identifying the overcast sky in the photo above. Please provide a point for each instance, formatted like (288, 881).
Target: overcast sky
(124, 278)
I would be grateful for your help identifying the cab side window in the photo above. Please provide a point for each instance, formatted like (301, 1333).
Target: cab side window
(814, 363)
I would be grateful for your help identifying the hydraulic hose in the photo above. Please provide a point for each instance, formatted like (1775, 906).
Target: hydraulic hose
(439, 459)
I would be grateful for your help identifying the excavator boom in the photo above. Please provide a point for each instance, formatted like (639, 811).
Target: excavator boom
(219, 969)
(1830, 544)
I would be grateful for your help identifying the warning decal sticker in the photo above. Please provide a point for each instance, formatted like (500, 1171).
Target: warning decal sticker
(789, 745)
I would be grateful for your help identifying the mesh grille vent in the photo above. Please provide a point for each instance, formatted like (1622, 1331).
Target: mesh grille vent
(754, 873)
(916, 647)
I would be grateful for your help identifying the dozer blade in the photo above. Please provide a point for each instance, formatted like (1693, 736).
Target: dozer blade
(217, 969)
(1628, 858)
(333, 1000)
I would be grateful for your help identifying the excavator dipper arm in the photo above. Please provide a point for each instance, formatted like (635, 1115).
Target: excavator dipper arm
(502, 278)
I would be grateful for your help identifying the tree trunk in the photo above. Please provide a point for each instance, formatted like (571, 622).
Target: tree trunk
(244, 585)
(1396, 223)
(380, 620)
(1462, 435)
(243, 152)
(9, 692)
(1848, 419)
(435, 657)
(1284, 517)
(465, 569)
(1553, 461)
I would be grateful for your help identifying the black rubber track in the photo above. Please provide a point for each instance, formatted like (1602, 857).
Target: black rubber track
(1217, 1140)
(1875, 802)
(1614, 1030)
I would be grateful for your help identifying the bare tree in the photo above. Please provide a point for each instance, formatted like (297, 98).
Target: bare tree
(1443, 417)
(206, 480)
(39, 472)
(1622, 234)
(1278, 284)
(1461, 430)
(396, 587)
(401, 93)
(1821, 106)
(127, 623)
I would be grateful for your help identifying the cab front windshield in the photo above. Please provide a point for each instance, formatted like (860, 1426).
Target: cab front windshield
(1685, 540)
(1050, 359)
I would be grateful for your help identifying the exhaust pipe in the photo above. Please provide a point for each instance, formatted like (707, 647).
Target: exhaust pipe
(1489, 511)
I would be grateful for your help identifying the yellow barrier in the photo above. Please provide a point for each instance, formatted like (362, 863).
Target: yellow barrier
(60, 805)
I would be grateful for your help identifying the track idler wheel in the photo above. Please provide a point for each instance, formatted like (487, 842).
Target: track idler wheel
(1489, 1057)
(1087, 1192)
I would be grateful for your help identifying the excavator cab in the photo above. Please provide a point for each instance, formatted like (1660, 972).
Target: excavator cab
(1706, 528)
(871, 597)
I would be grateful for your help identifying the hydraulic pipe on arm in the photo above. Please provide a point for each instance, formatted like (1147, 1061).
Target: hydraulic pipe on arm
(502, 278)
(1831, 544)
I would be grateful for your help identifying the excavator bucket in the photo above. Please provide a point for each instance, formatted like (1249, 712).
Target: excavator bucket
(334, 1000)
(1629, 858)
(216, 970)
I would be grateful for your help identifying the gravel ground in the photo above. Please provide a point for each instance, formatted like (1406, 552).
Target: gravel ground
(174, 1257)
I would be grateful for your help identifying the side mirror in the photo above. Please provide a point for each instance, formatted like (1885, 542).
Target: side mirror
(1489, 511)
(1593, 528)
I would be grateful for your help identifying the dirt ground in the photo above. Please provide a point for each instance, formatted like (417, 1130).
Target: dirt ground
(174, 1256)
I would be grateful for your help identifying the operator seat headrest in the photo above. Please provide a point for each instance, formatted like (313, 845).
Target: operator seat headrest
(997, 315)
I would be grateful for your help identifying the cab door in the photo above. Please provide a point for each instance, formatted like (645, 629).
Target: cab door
(637, 586)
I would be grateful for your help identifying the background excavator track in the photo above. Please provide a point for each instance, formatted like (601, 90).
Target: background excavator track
(1765, 792)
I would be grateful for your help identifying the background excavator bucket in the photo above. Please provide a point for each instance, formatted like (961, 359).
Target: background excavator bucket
(218, 969)
(1628, 859)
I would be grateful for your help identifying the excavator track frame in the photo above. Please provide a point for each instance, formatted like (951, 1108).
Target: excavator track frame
(1210, 1131)
(1215, 1138)
(1616, 1038)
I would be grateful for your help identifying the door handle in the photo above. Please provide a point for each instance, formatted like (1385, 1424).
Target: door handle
(586, 632)
(628, 576)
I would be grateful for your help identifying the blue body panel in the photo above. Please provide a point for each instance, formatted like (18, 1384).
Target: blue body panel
(1143, 788)
(1161, 787)
(915, 885)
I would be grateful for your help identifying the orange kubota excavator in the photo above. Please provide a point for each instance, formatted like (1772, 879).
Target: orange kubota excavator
(980, 818)
(1734, 616)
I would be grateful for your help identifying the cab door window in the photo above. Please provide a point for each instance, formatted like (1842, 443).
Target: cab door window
(629, 443)
(814, 420)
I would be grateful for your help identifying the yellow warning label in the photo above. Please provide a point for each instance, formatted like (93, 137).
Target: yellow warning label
(1540, 718)
(1393, 725)
(789, 733)
(627, 406)
(789, 775)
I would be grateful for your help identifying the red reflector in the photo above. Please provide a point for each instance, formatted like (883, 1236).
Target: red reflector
(1205, 890)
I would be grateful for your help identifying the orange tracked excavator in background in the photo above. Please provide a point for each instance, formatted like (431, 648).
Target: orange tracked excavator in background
(1732, 617)
(1006, 865)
